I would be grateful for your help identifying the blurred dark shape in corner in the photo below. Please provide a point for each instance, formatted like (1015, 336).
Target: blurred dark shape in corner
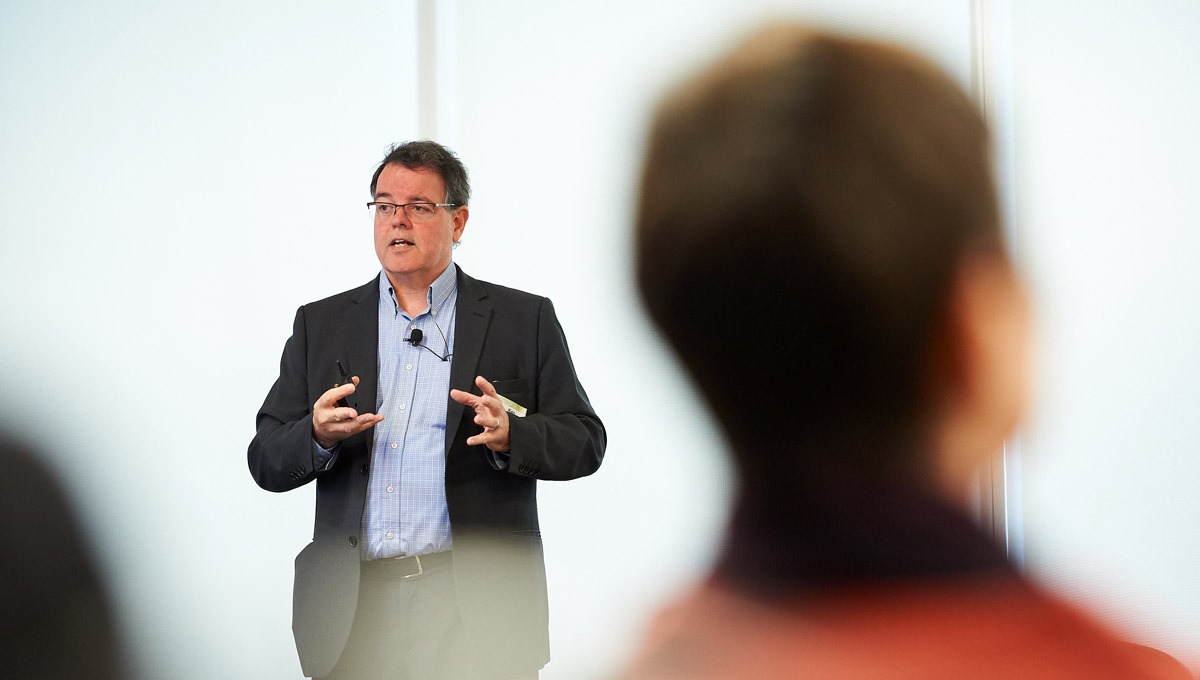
(55, 616)
(832, 199)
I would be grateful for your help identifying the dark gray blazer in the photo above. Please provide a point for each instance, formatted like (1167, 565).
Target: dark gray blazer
(514, 340)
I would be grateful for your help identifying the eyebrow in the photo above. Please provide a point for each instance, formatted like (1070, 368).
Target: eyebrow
(411, 199)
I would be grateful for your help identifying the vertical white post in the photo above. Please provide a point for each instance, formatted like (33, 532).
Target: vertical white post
(991, 88)
(427, 69)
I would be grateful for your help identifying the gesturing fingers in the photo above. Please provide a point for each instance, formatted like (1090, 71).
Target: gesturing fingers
(487, 388)
(333, 423)
(335, 394)
(489, 414)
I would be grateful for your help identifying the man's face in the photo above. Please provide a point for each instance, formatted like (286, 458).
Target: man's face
(412, 252)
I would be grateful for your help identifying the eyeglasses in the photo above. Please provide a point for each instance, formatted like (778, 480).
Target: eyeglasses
(417, 212)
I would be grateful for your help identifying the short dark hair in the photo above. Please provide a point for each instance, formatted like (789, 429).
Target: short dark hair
(805, 204)
(433, 156)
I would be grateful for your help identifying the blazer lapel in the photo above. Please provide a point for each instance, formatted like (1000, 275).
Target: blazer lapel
(472, 316)
(362, 348)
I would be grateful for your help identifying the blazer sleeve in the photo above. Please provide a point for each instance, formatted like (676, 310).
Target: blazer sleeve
(281, 454)
(564, 438)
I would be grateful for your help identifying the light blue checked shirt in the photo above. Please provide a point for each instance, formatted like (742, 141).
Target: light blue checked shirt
(406, 510)
(406, 497)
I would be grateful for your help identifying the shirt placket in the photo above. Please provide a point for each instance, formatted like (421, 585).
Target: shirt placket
(408, 370)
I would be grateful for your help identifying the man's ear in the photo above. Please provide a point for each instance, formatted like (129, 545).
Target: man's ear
(460, 221)
(981, 366)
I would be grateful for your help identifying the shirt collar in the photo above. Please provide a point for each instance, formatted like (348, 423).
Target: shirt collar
(441, 288)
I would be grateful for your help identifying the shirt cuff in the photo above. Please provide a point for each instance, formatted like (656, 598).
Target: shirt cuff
(323, 458)
(499, 459)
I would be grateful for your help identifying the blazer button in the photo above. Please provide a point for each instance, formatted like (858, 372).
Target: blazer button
(363, 469)
(353, 541)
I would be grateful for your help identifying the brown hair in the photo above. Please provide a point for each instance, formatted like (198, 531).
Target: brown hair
(804, 205)
(428, 154)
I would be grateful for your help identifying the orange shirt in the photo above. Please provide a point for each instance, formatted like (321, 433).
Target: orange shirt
(979, 628)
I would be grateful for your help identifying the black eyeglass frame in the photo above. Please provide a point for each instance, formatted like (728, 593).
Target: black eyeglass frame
(405, 206)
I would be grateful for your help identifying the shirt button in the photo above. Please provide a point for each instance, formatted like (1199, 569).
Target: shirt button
(389, 534)
(409, 367)
(394, 445)
(390, 489)
(401, 407)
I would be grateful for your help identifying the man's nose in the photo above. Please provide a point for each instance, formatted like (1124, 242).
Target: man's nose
(399, 217)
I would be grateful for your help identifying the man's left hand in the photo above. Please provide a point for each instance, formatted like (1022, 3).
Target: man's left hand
(489, 414)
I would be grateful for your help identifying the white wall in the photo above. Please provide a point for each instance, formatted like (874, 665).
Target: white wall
(1107, 160)
(175, 179)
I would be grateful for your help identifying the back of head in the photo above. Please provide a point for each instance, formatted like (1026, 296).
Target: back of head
(55, 617)
(805, 203)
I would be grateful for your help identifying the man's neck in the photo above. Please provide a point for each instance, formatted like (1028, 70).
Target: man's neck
(412, 294)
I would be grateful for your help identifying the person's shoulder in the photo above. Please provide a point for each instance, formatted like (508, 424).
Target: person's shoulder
(497, 293)
(984, 628)
(347, 297)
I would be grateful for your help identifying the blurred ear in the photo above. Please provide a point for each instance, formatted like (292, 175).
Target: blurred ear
(982, 375)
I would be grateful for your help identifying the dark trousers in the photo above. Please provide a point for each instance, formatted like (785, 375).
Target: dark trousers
(407, 627)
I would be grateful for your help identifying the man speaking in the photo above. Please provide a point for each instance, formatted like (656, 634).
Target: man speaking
(426, 405)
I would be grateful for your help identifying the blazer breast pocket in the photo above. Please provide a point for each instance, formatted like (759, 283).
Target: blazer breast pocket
(519, 390)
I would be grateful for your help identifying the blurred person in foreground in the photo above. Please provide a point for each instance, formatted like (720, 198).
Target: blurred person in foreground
(818, 237)
(426, 559)
(55, 616)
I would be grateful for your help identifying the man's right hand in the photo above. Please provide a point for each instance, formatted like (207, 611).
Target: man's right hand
(333, 423)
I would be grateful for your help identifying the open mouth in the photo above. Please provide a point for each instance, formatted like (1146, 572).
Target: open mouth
(396, 243)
